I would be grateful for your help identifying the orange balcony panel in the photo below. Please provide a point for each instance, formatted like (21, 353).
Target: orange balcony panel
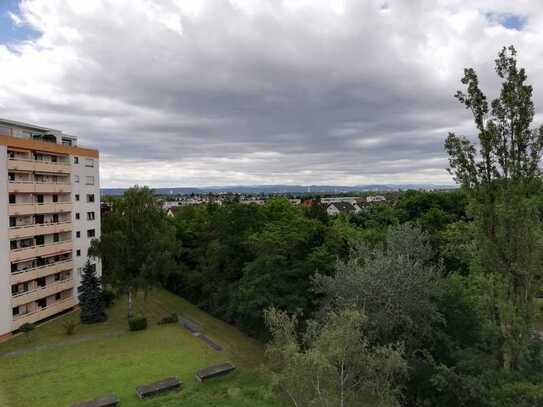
(38, 293)
(57, 168)
(43, 229)
(52, 188)
(21, 187)
(42, 271)
(35, 251)
(50, 249)
(21, 209)
(31, 208)
(21, 165)
(46, 312)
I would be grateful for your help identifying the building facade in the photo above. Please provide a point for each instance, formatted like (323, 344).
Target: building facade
(49, 214)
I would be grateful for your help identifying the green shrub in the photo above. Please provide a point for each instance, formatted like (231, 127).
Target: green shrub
(137, 323)
(170, 319)
(520, 394)
(26, 329)
(109, 297)
(69, 327)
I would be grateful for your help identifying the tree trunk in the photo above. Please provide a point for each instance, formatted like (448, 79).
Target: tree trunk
(130, 303)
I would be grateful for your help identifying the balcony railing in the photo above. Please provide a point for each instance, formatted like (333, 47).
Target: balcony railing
(36, 186)
(39, 293)
(29, 252)
(31, 208)
(32, 273)
(41, 313)
(16, 232)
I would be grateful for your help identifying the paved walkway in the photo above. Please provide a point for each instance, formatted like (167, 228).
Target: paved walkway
(68, 342)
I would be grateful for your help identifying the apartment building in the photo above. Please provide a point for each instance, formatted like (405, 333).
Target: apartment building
(49, 214)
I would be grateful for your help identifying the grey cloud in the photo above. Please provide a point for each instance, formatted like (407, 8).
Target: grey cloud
(269, 94)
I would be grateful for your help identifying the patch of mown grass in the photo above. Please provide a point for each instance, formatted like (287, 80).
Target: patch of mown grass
(55, 369)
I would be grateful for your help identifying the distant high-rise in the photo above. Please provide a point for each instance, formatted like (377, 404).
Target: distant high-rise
(49, 213)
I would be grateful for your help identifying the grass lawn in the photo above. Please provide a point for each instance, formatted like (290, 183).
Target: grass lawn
(55, 370)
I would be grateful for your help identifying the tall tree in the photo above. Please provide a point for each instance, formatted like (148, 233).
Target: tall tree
(334, 365)
(137, 243)
(502, 177)
(91, 299)
(393, 284)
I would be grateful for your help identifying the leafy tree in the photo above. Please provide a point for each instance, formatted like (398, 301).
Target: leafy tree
(502, 178)
(91, 298)
(334, 364)
(393, 284)
(137, 243)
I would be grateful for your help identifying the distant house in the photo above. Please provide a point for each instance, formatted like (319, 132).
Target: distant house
(375, 198)
(336, 208)
(172, 211)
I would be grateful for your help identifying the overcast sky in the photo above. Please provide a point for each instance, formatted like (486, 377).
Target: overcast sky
(217, 92)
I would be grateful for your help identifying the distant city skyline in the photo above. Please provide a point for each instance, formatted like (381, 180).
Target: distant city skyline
(205, 93)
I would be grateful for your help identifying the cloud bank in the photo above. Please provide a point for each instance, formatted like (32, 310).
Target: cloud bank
(199, 93)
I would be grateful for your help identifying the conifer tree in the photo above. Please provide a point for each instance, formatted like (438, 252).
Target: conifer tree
(91, 299)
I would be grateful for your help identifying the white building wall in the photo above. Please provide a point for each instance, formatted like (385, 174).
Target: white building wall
(81, 169)
(5, 288)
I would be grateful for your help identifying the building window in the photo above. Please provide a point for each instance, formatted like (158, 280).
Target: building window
(89, 180)
(57, 297)
(66, 141)
(91, 233)
(78, 253)
(76, 179)
(90, 198)
(77, 216)
(76, 160)
(90, 216)
(77, 197)
(78, 234)
(11, 198)
(15, 311)
(89, 162)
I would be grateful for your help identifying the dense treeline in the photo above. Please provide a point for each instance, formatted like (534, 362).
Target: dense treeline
(236, 260)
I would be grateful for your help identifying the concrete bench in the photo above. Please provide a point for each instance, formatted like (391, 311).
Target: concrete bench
(214, 371)
(210, 342)
(162, 386)
(106, 401)
(190, 326)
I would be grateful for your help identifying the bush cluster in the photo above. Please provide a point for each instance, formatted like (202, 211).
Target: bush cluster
(170, 319)
(137, 323)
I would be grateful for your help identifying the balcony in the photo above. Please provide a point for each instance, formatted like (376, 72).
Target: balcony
(18, 232)
(21, 187)
(40, 271)
(45, 312)
(30, 252)
(29, 187)
(19, 209)
(39, 165)
(42, 292)
(52, 187)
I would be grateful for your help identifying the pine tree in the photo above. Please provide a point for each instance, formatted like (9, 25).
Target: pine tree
(91, 298)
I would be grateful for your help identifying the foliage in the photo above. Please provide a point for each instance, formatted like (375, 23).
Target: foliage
(137, 243)
(393, 284)
(334, 364)
(27, 329)
(108, 297)
(169, 319)
(91, 299)
(69, 327)
(502, 178)
(137, 323)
